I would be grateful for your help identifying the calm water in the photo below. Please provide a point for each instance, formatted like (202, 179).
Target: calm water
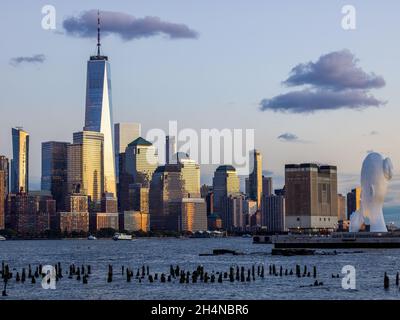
(160, 253)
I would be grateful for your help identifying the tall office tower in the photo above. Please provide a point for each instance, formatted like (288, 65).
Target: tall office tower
(55, 170)
(255, 177)
(172, 182)
(311, 196)
(20, 161)
(232, 215)
(267, 187)
(141, 161)
(273, 213)
(4, 166)
(247, 187)
(353, 201)
(2, 200)
(98, 113)
(225, 183)
(190, 213)
(85, 165)
(341, 207)
(124, 133)
(170, 149)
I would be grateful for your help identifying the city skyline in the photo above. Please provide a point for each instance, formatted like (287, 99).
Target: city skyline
(296, 139)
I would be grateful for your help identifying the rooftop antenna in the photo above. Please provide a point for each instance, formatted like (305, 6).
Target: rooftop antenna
(98, 33)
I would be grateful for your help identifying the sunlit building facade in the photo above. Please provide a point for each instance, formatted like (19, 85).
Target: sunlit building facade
(98, 113)
(225, 183)
(5, 166)
(85, 164)
(20, 161)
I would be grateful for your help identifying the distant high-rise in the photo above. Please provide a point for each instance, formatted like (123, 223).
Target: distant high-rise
(98, 114)
(353, 201)
(141, 160)
(255, 177)
(124, 133)
(233, 208)
(273, 213)
(85, 165)
(311, 196)
(225, 183)
(2, 200)
(4, 166)
(170, 149)
(55, 170)
(20, 161)
(172, 182)
(341, 207)
(267, 187)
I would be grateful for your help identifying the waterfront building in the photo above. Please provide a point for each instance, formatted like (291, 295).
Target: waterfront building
(255, 177)
(55, 171)
(103, 220)
(225, 183)
(76, 216)
(135, 221)
(190, 214)
(99, 115)
(311, 196)
(5, 167)
(20, 161)
(353, 201)
(273, 213)
(85, 164)
(29, 214)
(214, 222)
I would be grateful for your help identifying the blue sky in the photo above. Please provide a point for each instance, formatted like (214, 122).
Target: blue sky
(245, 49)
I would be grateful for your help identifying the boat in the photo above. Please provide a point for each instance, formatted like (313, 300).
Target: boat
(2, 238)
(92, 238)
(122, 236)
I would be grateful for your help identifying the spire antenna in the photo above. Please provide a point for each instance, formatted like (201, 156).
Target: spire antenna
(98, 33)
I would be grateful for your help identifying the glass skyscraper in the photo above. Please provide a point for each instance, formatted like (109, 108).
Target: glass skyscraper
(98, 113)
(20, 161)
(54, 170)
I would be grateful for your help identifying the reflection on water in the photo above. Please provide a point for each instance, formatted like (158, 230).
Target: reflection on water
(159, 254)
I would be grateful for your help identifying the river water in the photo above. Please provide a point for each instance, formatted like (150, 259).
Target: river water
(159, 254)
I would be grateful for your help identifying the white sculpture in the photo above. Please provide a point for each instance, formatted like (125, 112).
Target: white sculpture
(375, 174)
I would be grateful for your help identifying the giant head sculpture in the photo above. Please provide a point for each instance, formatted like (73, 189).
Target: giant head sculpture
(375, 174)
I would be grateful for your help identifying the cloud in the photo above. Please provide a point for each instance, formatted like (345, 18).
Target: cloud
(126, 26)
(289, 137)
(333, 82)
(37, 58)
(309, 101)
(337, 71)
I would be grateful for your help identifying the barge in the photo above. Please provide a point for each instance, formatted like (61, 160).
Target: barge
(335, 240)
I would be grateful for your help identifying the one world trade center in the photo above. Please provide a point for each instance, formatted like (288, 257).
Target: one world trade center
(98, 113)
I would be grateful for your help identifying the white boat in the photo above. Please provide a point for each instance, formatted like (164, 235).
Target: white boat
(92, 238)
(2, 238)
(122, 236)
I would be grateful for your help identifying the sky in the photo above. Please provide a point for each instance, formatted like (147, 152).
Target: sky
(214, 64)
